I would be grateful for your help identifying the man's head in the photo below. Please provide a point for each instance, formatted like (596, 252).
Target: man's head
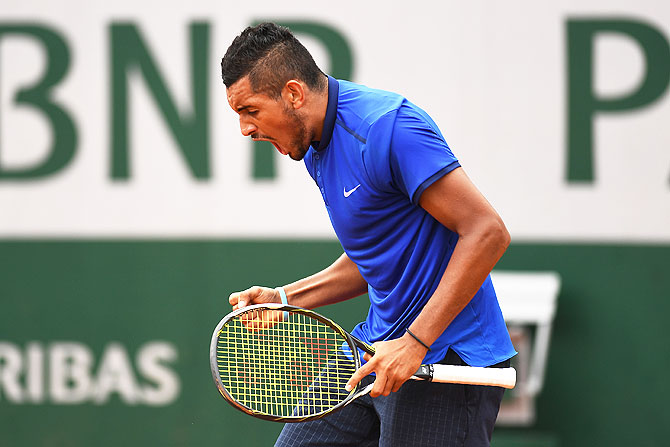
(276, 88)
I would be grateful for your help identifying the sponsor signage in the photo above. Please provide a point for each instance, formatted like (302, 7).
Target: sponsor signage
(114, 122)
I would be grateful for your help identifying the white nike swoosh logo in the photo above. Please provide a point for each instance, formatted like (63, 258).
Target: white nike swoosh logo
(348, 193)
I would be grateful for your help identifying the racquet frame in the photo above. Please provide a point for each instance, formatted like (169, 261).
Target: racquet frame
(351, 340)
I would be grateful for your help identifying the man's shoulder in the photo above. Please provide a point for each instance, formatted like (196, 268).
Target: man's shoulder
(361, 107)
(367, 103)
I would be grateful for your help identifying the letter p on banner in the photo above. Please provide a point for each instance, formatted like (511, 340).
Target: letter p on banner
(583, 103)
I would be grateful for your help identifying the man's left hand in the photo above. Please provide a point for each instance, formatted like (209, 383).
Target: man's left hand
(393, 363)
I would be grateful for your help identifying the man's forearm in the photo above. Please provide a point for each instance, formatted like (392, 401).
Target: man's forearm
(338, 282)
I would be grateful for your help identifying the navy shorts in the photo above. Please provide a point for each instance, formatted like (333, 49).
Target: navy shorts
(420, 413)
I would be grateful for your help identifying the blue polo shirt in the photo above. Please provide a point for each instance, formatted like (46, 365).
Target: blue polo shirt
(378, 152)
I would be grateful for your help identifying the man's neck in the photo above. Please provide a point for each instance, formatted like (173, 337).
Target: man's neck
(317, 111)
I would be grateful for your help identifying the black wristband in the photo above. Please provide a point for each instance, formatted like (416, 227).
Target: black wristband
(417, 339)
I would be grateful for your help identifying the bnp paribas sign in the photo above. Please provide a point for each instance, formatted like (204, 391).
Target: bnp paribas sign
(63, 373)
(114, 123)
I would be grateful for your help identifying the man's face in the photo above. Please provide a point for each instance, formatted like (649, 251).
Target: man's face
(266, 119)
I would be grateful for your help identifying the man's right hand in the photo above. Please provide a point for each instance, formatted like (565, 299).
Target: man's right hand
(254, 295)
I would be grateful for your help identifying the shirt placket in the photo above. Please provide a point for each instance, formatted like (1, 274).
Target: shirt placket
(318, 163)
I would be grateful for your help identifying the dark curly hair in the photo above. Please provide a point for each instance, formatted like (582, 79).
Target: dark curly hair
(271, 56)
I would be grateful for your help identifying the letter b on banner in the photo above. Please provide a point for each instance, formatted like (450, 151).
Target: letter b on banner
(583, 103)
(38, 96)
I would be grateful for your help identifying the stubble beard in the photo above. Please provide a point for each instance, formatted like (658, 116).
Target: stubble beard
(300, 141)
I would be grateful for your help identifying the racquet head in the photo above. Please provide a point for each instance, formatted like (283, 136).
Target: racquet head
(283, 363)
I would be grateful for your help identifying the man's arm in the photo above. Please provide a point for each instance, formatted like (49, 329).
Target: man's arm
(338, 282)
(456, 203)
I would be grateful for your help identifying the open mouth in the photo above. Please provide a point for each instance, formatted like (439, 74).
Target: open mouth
(279, 149)
(269, 140)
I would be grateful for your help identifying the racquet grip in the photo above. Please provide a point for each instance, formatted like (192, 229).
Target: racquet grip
(469, 375)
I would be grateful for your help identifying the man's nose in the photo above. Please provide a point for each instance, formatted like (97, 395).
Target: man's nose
(247, 128)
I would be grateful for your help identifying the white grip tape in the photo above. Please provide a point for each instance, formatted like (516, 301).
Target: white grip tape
(471, 375)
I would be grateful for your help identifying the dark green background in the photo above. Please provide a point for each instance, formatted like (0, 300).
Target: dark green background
(606, 381)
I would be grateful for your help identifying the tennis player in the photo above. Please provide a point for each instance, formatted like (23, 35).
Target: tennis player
(418, 237)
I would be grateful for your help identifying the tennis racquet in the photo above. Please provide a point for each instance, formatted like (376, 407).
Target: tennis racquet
(288, 364)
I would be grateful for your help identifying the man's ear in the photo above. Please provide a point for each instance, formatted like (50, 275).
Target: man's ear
(294, 93)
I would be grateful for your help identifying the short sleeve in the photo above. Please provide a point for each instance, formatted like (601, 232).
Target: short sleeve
(418, 155)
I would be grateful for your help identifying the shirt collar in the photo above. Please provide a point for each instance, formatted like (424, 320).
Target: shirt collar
(331, 114)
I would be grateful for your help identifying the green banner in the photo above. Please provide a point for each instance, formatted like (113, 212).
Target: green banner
(106, 343)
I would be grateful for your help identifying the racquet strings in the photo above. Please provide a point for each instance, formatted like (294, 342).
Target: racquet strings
(285, 367)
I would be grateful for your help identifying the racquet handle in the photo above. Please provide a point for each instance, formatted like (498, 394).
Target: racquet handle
(469, 375)
(465, 375)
